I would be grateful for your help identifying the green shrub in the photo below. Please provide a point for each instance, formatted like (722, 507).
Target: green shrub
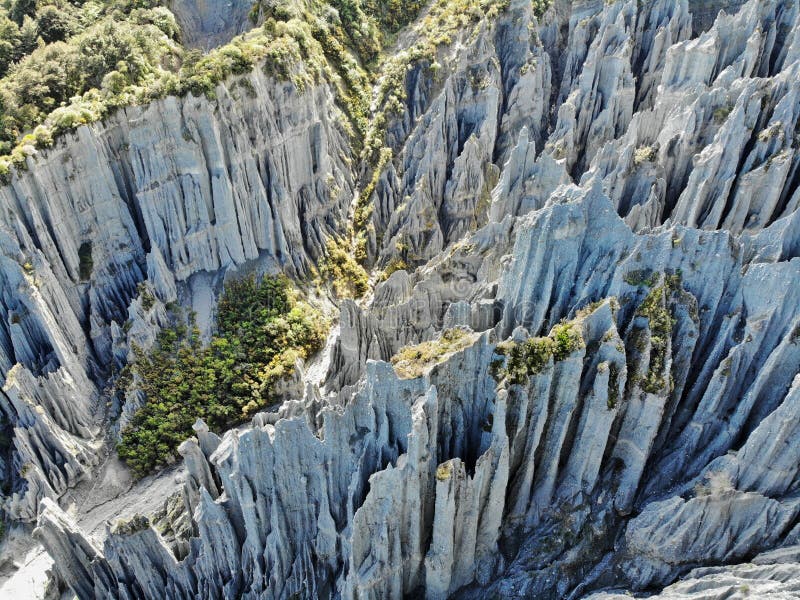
(397, 264)
(148, 299)
(540, 7)
(135, 524)
(262, 330)
(613, 386)
(414, 361)
(566, 339)
(55, 24)
(444, 471)
(641, 277)
(5, 169)
(20, 9)
(721, 114)
(9, 41)
(531, 356)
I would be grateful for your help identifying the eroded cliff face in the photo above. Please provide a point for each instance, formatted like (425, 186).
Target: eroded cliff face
(622, 170)
(209, 23)
(117, 221)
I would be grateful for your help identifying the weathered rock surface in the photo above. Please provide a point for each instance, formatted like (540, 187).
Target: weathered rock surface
(623, 167)
(210, 23)
(164, 193)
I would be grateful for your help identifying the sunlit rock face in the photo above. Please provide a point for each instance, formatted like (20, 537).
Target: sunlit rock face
(209, 23)
(599, 204)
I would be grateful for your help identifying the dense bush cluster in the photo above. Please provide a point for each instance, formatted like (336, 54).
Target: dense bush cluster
(533, 355)
(262, 330)
(64, 64)
(54, 52)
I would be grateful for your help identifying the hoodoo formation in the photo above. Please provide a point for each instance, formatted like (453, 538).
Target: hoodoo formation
(369, 299)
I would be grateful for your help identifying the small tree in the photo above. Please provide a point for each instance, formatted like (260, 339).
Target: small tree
(55, 25)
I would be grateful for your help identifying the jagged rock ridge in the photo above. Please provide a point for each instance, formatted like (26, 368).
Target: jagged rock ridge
(146, 206)
(654, 208)
(206, 24)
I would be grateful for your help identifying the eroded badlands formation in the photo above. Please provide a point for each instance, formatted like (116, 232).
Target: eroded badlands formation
(623, 174)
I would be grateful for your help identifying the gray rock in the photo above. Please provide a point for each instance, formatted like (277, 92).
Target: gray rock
(658, 215)
(211, 22)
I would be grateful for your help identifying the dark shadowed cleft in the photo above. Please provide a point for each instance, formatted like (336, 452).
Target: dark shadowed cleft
(85, 261)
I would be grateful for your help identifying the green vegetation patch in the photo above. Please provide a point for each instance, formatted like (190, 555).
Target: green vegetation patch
(644, 154)
(721, 114)
(540, 7)
(262, 330)
(654, 309)
(613, 386)
(396, 264)
(135, 524)
(414, 361)
(64, 64)
(347, 277)
(533, 355)
(640, 278)
(439, 26)
(146, 296)
(444, 471)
